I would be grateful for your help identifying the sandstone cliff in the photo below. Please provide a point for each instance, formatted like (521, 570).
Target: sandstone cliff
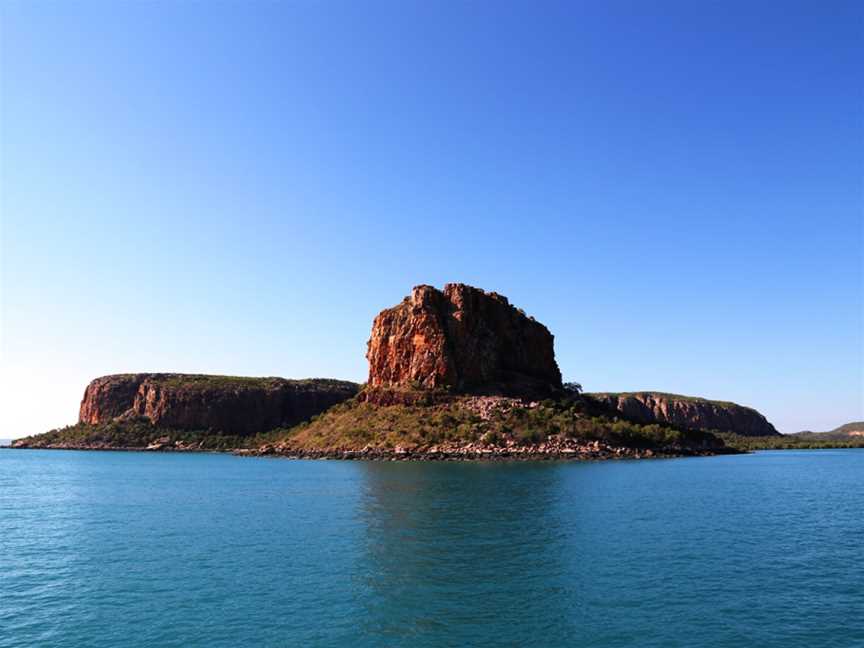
(688, 412)
(231, 405)
(462, 338)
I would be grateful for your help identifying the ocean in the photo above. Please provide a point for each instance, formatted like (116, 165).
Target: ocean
(108, 549)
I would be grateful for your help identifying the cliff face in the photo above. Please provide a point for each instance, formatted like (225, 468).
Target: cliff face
(463, 338)
(688, 412)
(230, 405)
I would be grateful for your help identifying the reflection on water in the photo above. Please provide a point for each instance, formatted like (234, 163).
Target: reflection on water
(461, 547)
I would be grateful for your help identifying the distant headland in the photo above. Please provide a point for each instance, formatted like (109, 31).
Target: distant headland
(457, 373)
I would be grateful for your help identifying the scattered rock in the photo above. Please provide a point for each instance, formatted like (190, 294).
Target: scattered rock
(162, 443)
(551, 450)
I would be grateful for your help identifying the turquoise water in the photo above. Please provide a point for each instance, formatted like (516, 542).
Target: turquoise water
(136, 549)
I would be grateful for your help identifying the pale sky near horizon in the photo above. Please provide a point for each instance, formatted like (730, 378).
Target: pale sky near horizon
(674, 189)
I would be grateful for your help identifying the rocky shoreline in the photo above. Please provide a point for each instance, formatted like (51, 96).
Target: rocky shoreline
(482, 455)
(570, 450)
(550, 449)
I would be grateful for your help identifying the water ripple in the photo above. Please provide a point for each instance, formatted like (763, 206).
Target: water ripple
(133, 549)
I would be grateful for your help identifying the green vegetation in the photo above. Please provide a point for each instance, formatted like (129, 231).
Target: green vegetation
(678, 397)
(211, 382)
(141, 433)
(801, 441)
(354, 424)
(204, 381)
(437, 418)
(433, 417)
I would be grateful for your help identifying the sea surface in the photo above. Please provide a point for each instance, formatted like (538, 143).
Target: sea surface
(114, 549)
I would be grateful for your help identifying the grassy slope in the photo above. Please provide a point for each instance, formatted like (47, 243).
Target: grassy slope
(353, 425)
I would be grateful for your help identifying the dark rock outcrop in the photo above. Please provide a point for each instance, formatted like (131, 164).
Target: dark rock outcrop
(464, 339)
(231, 405)
(688, 412)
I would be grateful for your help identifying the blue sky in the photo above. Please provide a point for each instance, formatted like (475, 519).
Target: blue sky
(674, 188)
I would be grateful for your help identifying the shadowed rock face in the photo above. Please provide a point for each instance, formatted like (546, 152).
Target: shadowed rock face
(689, 413)
(463, 338)
(226, 404)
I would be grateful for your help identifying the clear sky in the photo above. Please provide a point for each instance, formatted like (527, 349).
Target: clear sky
(673, 188)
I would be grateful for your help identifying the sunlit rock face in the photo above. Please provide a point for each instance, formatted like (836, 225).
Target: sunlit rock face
(688, 412)
(235, 405)
(461, 338)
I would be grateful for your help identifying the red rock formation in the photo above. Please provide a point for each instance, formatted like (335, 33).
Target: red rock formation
(462, 338)
(221, 403)
(688, 412)
(109, 397)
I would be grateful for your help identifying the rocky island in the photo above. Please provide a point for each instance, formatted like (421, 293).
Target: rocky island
(458, 373)
(189, 411)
